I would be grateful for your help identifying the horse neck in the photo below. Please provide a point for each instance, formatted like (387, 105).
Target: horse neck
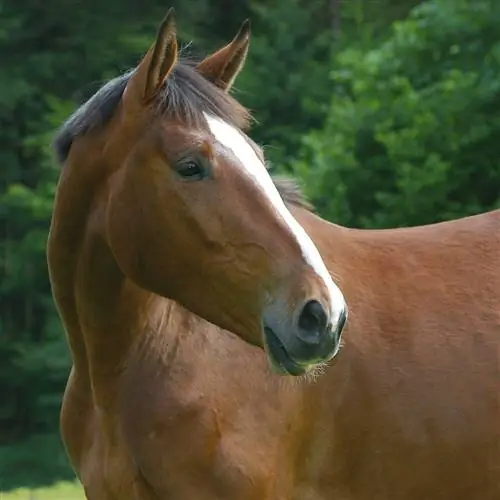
(116, 319)
(102, 312)
(76, 189)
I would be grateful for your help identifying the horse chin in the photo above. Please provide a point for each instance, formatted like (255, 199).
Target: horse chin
(279, 358)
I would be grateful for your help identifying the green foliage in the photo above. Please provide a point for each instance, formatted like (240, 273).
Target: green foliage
(32, 461)
(282, 66)
(412, 133)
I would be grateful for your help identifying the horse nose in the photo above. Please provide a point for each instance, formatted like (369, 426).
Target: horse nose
(312, 323)
(310, 338)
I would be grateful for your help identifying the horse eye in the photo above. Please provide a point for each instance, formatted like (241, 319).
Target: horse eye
(190, 169)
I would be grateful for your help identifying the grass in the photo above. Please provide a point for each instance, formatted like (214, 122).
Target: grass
(60, 491)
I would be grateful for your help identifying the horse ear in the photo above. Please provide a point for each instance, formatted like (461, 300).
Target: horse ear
(223, 66)
(158, 62)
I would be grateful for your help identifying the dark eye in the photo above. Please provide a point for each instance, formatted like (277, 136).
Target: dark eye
(190, 169)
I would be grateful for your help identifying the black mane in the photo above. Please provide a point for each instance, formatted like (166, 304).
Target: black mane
(186, 96)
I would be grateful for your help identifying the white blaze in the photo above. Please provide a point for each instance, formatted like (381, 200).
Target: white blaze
(234, 140)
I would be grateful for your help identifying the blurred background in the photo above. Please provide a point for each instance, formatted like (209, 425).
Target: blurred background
(386, 111)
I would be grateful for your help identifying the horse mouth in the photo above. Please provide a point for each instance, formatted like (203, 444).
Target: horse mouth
(279, 357)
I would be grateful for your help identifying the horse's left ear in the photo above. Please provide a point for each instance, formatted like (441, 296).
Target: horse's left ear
(223, 66)
(156, 65)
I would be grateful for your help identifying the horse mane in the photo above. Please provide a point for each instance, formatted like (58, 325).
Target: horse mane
(186, 95)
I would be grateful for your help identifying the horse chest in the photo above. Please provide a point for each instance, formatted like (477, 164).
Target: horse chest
(186, 438)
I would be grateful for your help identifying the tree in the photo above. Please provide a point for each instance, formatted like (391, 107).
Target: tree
(413, 125)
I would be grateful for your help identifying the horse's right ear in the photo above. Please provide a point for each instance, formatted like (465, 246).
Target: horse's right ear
(156, 65)
(223, 66)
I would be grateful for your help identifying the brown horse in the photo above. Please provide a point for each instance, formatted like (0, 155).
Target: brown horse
(167, 230)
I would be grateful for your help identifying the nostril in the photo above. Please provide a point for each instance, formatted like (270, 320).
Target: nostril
(342, 321)
(313, 321)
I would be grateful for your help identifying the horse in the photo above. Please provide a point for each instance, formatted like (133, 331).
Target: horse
(205, 306)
